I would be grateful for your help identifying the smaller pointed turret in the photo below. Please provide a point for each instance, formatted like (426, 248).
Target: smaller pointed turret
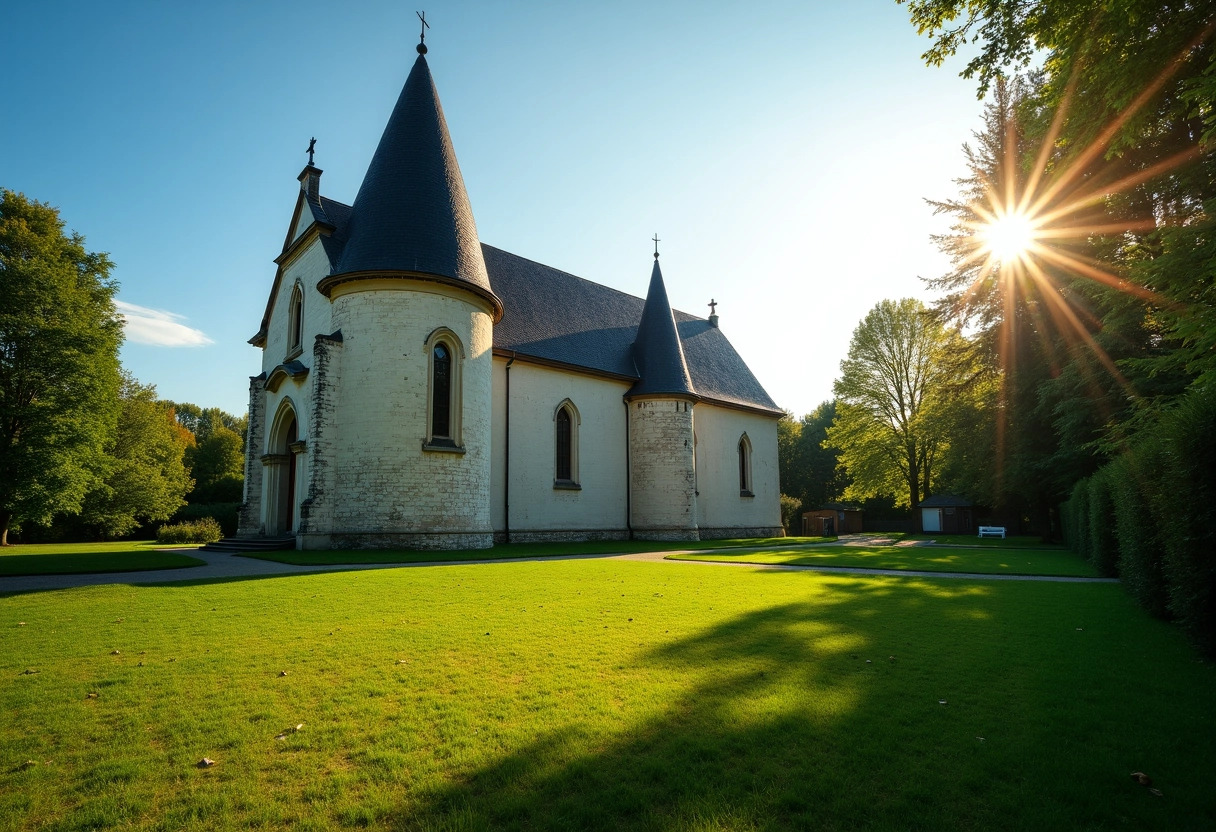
(657, 352)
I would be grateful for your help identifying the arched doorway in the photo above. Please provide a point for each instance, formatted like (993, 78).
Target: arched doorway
(280, 472)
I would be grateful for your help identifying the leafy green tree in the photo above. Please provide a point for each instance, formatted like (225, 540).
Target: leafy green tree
(59, 376)
(217, 464)
(146, 478)
(201, 421)
(810, 470)
(892, 386)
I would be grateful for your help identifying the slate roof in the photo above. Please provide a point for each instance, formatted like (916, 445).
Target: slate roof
(555, 316)
(656, 348)
(412, 212)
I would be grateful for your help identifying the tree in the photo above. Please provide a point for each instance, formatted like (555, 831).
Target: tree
(59, 377)
(145, 477)
(217, 464)
(893, 383)
(810, 472)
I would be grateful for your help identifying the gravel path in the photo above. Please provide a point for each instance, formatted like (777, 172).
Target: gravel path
(223, 565)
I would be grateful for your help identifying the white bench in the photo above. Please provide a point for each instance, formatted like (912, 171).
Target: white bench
(992, 531)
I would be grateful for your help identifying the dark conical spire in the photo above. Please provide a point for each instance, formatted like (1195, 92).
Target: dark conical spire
(657, 352)
(412, 213)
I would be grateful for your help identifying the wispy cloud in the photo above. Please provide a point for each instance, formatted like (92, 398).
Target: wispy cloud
(158, 327)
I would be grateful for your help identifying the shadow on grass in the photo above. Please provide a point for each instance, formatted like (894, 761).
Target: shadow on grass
(827, 714)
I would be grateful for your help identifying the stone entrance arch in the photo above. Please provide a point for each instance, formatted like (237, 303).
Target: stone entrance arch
(281, 465)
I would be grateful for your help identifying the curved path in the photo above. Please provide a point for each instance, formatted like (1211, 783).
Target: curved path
(224, 565)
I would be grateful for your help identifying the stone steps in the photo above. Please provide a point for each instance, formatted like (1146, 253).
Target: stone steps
(234, 545)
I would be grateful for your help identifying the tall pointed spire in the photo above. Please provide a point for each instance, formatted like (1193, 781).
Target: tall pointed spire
(412, 212)
(657, 352)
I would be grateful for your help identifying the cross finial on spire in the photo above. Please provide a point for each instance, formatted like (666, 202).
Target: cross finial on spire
(312, 144)
(713, 306)
(422, 37)
(656, 245)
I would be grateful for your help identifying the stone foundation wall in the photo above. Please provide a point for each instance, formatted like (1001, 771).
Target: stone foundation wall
(742, 531)
(562, 536)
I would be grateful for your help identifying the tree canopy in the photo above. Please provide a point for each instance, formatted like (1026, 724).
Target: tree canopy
(145, 477)
(894, 386)
(59, 373)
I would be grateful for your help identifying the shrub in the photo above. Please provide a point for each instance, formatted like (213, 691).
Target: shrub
(1134, 479)
(790, 507)
(1076, 526)
(226, 514)
(1103, 545)
(1187, 493)
(203, 530)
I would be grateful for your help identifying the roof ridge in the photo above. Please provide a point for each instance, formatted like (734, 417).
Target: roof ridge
(688, 315)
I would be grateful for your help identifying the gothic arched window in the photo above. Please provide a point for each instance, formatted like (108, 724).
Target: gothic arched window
(745, 467)
(565, 436)
(443, 422)
(295, 320)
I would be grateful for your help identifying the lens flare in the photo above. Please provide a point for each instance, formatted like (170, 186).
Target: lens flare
(1010, 237)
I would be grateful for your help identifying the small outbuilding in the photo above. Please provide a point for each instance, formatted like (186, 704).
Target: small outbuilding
(832, 519)
(947, 514)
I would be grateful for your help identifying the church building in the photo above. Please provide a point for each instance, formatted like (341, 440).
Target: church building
(420, 389)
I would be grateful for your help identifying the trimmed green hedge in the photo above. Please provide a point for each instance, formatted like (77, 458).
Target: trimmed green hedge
(1150, 516)
(204, 530)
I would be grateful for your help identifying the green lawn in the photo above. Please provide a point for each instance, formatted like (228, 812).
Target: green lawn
(1011, 542)
(985, 560)
(78, 558)
(509, 550)
(599, 694)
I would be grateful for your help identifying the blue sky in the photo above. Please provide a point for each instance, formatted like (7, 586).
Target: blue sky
(781, 150)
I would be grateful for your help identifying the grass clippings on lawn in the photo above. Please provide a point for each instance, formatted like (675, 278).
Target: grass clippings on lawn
(987, 561)
(89, 558)
(599, 695)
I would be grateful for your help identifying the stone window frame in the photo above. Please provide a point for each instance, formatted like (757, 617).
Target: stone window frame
(570, 483)
(745, 466)
(295, 322)
(451, 443)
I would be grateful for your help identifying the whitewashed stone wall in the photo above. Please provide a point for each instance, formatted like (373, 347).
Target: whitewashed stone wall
(388, 491)
(538, 509)
(661, 469)
(721, 510)
(308, 268)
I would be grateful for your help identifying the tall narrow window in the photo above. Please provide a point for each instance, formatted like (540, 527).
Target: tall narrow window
(745, 467)
(441, 393)
(295, 319)
(445, 356)
(563, 445)
(565, 436)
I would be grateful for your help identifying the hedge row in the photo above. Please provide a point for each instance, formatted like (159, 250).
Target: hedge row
(1149, 516)
(205, 530)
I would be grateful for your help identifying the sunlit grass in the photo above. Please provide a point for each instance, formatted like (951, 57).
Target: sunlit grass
(80, 558)
(512, 550)
(984, 560)
(598, 695)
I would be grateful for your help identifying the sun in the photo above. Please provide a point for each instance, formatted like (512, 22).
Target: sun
(1009, 237)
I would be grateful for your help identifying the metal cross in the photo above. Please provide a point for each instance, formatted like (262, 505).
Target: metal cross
(656, 245)
(312, 143)
(425, 25)
(713, 306)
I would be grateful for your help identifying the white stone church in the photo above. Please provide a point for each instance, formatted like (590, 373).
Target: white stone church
(420, 389)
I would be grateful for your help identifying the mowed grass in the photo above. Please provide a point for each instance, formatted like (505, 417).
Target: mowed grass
(600, 695)
(509, 550)
(982, 560)
(1010, 542)
(81, 558)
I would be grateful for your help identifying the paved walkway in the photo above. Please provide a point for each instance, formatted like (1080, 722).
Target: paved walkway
(224, 565)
